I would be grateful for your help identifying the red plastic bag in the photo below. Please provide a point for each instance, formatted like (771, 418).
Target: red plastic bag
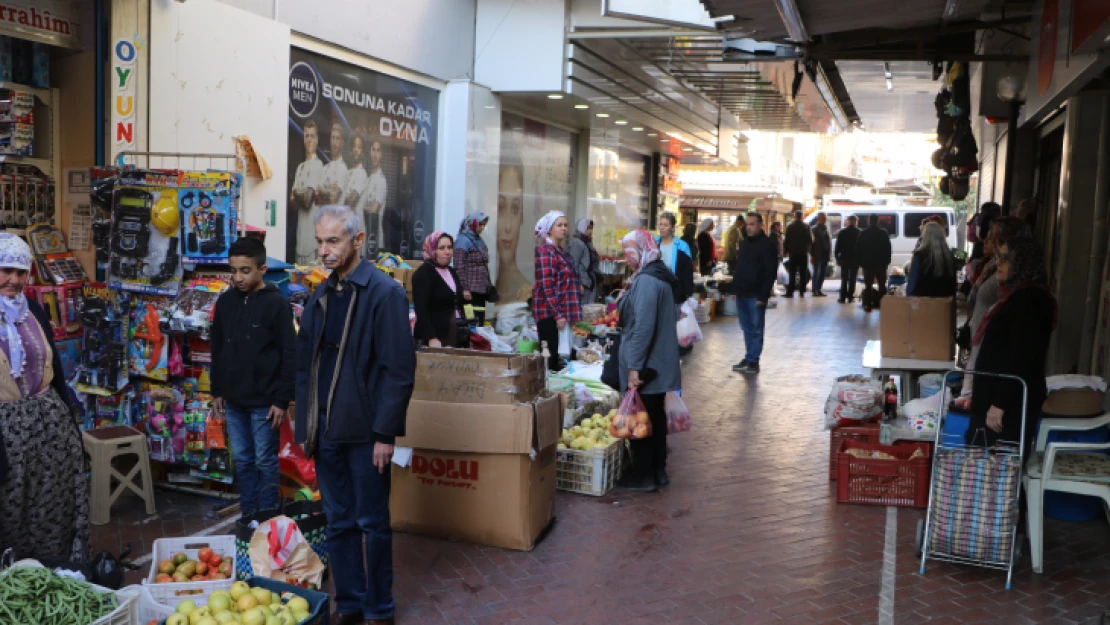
(632, 419)
(292, 459)
(678, 417)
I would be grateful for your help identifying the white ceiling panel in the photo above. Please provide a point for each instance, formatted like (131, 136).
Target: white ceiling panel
(908, 107)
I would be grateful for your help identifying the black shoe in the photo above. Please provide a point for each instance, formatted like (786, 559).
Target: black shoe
(841, 300)
(661, 478)
(638, 483)
(740, 365)
(820, 294)
(866, 309)
(355, 618)
(802, 295)
(789, 295)
(749, 368)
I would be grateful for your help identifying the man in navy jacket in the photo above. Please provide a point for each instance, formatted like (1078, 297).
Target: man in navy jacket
(356, 365)
(753, 280)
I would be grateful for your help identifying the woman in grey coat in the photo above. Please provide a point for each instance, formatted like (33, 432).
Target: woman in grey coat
(586, 260)
(648, 357)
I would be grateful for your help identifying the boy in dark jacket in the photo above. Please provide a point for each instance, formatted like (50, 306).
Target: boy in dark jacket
(753, 278)
(873, 254)
(845, 253)
(254, 368)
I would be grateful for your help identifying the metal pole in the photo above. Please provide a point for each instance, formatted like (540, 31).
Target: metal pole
(1011, 148)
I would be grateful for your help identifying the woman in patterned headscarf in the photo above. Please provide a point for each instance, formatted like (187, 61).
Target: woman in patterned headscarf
(44, 501)
(438, 295)
(648, 353)
(1013, 339)
(555, 294)
(472, 261)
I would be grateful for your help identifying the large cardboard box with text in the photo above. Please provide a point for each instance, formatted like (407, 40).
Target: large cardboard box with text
(464, 376)
(479, 473)
(921, 328)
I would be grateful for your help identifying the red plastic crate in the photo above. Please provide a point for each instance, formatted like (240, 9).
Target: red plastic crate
(902, 482)
(863, 433)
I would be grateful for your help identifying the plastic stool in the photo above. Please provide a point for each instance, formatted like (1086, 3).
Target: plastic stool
(103, 446)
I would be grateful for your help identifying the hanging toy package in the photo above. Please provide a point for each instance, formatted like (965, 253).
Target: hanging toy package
(145, 236)
(163, 417)
(105, 318)
(148, 350)
(632, 420)
(209, 215)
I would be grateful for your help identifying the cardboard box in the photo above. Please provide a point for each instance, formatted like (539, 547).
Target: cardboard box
(921, 328)
(404, 275)
(1073, 402)
(473, 477)
(463, 376)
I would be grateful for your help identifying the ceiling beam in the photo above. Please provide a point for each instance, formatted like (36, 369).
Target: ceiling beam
(876, 36)
(915, 55)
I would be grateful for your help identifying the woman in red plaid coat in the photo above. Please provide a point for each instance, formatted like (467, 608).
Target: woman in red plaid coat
(555, 291)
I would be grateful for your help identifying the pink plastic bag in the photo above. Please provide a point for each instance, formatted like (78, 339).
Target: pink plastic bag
(632, 419)
(678, 417)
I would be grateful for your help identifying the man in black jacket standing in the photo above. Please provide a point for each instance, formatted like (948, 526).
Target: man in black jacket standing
(753, 278)
(254, 364)
(799, 240)
(820, 254)
(873, 254)
(845, 253)
(356, 365)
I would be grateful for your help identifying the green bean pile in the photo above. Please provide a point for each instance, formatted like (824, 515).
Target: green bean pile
(39, 596)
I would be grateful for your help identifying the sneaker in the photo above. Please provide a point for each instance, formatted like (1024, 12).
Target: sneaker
(750, 367)
(641, 484)
(740, 366)
(661, 477)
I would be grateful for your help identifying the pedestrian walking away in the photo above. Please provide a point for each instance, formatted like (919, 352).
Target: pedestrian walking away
(254, 367)
(797, 244)
(845, 253)
(873, 252)
(753, 279)
(354, 344)
(707, 247)
(820, 254)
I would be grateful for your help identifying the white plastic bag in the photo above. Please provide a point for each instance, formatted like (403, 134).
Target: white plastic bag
(678, 417)
(688, 330)
(497, 345)
(566, 340)
(511, 317)
(854, 400)
(582, 396)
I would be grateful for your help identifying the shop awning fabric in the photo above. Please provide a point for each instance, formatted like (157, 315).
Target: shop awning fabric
(52, 22)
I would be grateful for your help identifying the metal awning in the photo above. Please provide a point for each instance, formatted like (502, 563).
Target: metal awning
(832, 178)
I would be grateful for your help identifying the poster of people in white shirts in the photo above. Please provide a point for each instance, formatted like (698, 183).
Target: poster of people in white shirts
(364, 139)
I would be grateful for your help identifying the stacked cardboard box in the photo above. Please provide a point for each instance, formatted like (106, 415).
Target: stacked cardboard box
(484, 437)
(921, 328)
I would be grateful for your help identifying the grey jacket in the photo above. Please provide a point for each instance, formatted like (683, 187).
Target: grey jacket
(650, 337)
(580, 252)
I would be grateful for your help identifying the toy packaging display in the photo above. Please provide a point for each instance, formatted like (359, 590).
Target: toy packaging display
(195, 307)
(69, 351)
(148, 350)
(104, 411)
(162, 411)
(104, 315)
(209, 215)
(102, 185)
(54, 263)
(145, 235)
(62, 304)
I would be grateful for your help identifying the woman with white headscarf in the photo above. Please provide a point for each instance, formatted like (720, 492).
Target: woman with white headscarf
(707, 247)
(555, 293)
(586, 260)
(44, 503)
(648, 353)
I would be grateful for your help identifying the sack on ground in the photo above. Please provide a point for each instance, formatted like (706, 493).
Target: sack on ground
(854, 400)
(678, 417)
(279, 551)
(688, 330)
(632, 420)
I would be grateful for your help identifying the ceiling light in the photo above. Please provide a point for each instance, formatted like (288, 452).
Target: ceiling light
(581, 106)
(653, 134)
(637, 129)
(603, 115)
(687, 149)
(555, 96)
(723, 18)
(620, 122)
(664, 140)
(490, 106)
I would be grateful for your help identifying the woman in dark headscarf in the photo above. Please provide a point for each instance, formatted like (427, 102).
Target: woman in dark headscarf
(472, 261)
(1013, 339)
(586, 260)
(690, 236)
(707, 247)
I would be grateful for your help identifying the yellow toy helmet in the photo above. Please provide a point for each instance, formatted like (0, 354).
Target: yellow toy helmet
(165, 215)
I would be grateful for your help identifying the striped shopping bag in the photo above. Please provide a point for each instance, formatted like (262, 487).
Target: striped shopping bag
(975, 503)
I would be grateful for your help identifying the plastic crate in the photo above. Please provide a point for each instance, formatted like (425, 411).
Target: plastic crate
(593, 472)
(863, 433)
(173, 593)
(121, 615)
(146, 609)
(902, 482)
(318, 602)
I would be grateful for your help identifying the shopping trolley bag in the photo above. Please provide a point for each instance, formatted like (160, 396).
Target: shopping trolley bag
(975, 509)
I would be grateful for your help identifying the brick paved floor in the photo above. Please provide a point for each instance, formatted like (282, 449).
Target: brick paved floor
(748, 532)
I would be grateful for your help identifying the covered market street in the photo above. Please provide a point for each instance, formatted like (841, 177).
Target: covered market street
(748, 531)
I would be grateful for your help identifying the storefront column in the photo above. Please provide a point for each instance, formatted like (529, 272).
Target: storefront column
(471, 151)
(1077, 219)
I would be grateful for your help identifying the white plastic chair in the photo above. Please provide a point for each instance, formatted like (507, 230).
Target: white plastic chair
(1080, 470)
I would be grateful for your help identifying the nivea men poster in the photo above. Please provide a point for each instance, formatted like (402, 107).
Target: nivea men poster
(364, 139)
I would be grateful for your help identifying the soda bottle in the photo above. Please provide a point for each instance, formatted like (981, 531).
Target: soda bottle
(890, 403)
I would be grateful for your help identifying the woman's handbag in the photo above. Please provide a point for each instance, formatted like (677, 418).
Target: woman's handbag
(611, 370)
(491, 291)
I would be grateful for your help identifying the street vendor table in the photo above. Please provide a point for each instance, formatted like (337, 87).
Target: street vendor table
(907, 369)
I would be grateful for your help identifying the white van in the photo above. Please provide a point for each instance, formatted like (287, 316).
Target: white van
(903, 223)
